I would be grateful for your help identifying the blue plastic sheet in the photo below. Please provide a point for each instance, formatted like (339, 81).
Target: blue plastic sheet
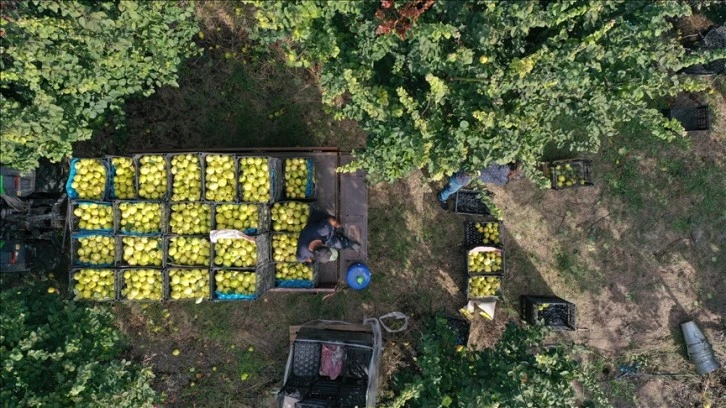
(72, 193)
(294, 283)
(311, 182)
(234, 296)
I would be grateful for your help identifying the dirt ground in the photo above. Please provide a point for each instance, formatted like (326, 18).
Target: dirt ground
(639, 253)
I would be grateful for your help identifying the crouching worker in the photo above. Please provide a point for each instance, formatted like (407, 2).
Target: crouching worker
(320, 241)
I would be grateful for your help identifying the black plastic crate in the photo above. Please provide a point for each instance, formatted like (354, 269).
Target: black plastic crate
(474, 238)
(579, 171)
(467, 202)
(461, 329)
(496, 296)
(72, 285)
(552, 311)
(306, 359)
(691, 119)
(487, 248)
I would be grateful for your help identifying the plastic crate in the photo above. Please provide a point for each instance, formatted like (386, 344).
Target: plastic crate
(474, 238)
(263, 218)
(298, 283)
(168, 278)
(531, 313)
(274, 170)
(169, 212)
(72, 285)
(170, 177)
(467, 202)
(74, 220)
(497, 295)
(283, 225)
(121, 228)
(122, 284)
(207, 184)
(310, 186)
(500, 272)
(75, 245)
(692, 119)
(582, 169)
(262, 244)
(137, 163)
(112, 176)
(120, 251)
(265, 280)
(306, 358)
(461, 329)
(171, 262)
(72, 193)
(294, 236)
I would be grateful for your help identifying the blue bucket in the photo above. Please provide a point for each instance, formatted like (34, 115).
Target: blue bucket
(358, 276)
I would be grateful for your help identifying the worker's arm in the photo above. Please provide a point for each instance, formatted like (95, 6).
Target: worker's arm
(334, 222)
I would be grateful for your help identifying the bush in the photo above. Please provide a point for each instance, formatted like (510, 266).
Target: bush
(65, 64)
(443, 85)
(517, 372)
(56, 353)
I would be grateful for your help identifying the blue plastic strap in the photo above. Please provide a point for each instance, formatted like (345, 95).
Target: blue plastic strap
(310, 184)
(294, 283)
(111, 178)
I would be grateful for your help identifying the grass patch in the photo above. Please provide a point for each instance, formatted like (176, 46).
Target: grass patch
(575, 272)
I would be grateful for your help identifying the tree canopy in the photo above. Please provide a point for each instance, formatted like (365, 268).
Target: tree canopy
(442, 85)
(64, 64)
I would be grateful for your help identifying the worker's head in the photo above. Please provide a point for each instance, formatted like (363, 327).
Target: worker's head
(325, 254)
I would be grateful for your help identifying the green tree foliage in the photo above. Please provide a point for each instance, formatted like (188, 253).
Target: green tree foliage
(449, 84)
(517, 372)
(65, 63)
(56, 353)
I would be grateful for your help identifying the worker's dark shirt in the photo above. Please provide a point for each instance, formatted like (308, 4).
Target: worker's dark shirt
(321, 230)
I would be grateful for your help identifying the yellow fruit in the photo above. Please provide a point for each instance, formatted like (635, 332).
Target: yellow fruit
(487, 262)
(189, 283)
(124, 178)
(186, 173)
(96, 250)
(482, 286)
(239, 253)
(189, 251)
(95, 284)
(236, 216)
(219, 177)
(142, 251)
(289, 216)
(90, 179)
(254, 179)
(296, 177)
(93, 216)
(190, 218)
(176, 352)
(237, 282)
(152, 177)
(293, 271)
(284, 247)
(142, 284)
(140, 217)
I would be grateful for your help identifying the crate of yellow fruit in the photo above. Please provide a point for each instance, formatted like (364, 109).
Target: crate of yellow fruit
(241, 284)
(250, 218)
(87, 179)
(187, 283)
(140, 217)
(298, 178)
(141, 284)
(484, 287)
(284, 247)
(483, 233)
(188, 250)
(485, 260)
(241, 251)
(185, 176)
(189, 218)
(152, 180)
(91, 216)
(569, 173)
(122, 177)
(220, 173)
(257, 177)
(93, 249)
(98, 285)
(140, 251)
(296, 275)
(289, 216)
